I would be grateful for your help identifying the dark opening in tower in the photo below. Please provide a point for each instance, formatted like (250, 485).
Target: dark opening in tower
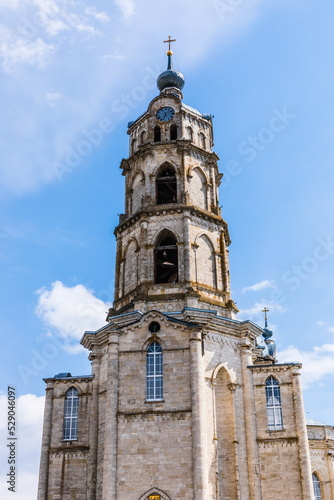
(173, 132)
(166, 186)
(166, 261)
(157, 134)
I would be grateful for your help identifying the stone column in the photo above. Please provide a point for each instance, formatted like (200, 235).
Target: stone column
(232, 387)
(110, 436)
(330, 462)
(46, 441)
(304, 452)
(93, 430)
(250, 423)
(197, 383)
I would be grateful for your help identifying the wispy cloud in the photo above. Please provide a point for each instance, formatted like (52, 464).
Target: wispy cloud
(15, 50)
(259, 286)
(127, 8)
(317, 363)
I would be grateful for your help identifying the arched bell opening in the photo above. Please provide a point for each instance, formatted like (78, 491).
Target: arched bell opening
(166, 260)
(166, 186)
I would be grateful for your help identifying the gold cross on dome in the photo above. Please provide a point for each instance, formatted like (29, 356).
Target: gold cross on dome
(169, 41)
(265, 310)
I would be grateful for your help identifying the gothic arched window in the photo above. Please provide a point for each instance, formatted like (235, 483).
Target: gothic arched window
(166, 186)
(154, 375)
(166, 261)
(316, 487)
(71, 414)
(173, 132)
(157, 134)
(274, 406)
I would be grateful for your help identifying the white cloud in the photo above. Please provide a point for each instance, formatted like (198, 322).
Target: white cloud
(317, 363)
(259, 286)
(15, 50)
(30, 409)
(127, 8)
(69, 311)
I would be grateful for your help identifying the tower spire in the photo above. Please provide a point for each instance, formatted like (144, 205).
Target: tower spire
(170, 77)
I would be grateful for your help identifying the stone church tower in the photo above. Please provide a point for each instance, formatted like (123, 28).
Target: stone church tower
(182, 403)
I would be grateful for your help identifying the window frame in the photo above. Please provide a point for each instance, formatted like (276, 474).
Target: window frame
(71, 414)
(154, 372)
(316, 483)
(273, 404)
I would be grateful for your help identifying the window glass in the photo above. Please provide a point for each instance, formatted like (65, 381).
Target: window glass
(154, 376)
(71, 408)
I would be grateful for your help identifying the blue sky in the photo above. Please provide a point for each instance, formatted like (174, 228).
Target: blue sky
(72, 75)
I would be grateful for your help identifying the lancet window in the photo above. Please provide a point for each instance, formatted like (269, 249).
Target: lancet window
(274, 405)
(154, 372)
(71, 414)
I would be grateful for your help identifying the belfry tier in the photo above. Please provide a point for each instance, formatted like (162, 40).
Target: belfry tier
(172, 243)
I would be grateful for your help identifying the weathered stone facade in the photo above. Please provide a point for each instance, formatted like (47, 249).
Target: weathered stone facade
(211, 429)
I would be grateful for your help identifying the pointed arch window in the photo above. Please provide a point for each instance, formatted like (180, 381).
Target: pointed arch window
(274, 405)
(166, 186)
(173, 132)
(154, 372)
(316, 487)
(71, 415)
(166, 261)
(157, 133)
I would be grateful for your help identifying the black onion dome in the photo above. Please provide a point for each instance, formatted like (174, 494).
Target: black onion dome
(170, 77)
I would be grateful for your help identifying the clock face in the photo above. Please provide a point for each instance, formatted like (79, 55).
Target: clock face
(165, 114)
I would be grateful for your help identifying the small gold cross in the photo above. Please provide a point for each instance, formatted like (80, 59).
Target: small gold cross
(265, 310)
(169, 41)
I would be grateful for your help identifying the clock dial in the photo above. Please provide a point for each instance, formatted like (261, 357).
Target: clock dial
(165, 114)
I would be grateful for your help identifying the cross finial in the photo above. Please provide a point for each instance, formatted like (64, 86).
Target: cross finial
(169, 41)
(265, 310)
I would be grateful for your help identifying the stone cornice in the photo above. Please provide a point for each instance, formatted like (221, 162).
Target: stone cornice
(171, 209)
(181, 145)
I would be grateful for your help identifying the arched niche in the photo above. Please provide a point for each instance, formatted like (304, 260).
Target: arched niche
(130, 266)
(166, 258)
(206, 273)
(189, 134)
(137, 191)
(166, 185)
(199, 193)
(202, 140)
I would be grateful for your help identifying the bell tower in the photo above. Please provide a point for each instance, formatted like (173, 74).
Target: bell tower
(172, 242)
